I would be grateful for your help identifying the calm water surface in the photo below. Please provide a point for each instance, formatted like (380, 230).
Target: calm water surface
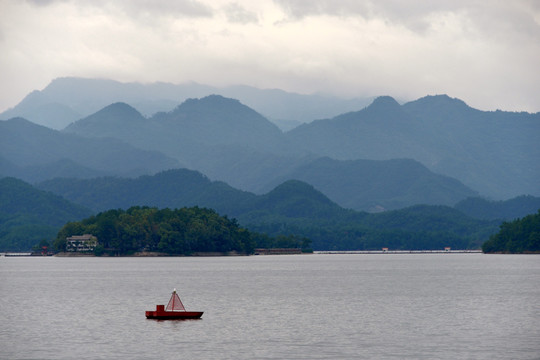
(441, 306)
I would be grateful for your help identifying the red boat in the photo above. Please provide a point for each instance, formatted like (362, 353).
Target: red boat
(175, 310)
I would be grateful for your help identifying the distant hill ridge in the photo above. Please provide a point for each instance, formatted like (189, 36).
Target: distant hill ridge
(492, 153)
(172, 188)
(242, 141)
(25, 144)
(508, 210)
(292, 207)
(29, 215)
(57, 105)
(110, 121)
(216, 120)
(379, 185)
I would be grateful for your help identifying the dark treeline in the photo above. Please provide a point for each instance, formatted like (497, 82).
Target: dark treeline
(518, 236)
(179, 232)
(419, 227)
(349, 236)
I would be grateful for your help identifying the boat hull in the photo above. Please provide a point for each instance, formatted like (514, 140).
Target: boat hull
(161, 314)
(174, 315)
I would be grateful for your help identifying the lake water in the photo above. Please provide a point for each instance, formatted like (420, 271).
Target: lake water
(442, 306)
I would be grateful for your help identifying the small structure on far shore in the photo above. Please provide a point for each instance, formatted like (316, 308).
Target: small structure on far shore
(278, 251)
(81, 243)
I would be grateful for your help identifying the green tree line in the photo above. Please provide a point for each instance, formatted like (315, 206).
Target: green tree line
(518, 236)
(419, 227)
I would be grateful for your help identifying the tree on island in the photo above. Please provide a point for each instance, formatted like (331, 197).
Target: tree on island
(516, 237)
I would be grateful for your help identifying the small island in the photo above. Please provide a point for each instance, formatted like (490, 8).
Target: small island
(146, 231)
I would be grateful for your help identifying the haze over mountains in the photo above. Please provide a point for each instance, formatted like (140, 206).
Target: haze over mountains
(435, 150)
(31, 151)
(494, 153)
(69, 99)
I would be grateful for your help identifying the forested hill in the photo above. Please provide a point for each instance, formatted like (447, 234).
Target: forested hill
(372, 185)
(172, 189)
(292, 199)
(286, 215)
(29, 215)
(292, 208)
(516, 237)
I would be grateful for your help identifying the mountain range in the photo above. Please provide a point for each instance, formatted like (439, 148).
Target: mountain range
(29, 214)
(69, 99)
(35, 152)
(435, 150)
(494, 153)
(373, 185)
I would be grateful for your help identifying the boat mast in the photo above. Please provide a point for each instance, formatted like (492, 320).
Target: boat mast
(175, 304)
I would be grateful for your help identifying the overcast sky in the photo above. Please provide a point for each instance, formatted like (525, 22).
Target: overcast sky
(485, 52)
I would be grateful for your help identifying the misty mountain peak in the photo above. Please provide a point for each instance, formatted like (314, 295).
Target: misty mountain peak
(211, 104)
(22, 124)
(110, 121)
(384, 102)
(296, 188)
(439, 102)
(36, 97)
(384, 107)
(216, 119)
(119, 109)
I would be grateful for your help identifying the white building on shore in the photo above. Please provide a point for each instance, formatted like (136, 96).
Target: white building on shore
(81, 243)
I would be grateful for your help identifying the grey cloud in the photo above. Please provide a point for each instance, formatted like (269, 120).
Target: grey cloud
(487, 17)
(411, 14)
(188, 8)
(237, 14)
(301, 8)
(390, 9)
(511, 20)
(43, 2)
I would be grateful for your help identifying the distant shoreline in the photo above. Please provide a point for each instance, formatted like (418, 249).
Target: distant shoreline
(152, 254)
(233, 253)
(400, 252)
